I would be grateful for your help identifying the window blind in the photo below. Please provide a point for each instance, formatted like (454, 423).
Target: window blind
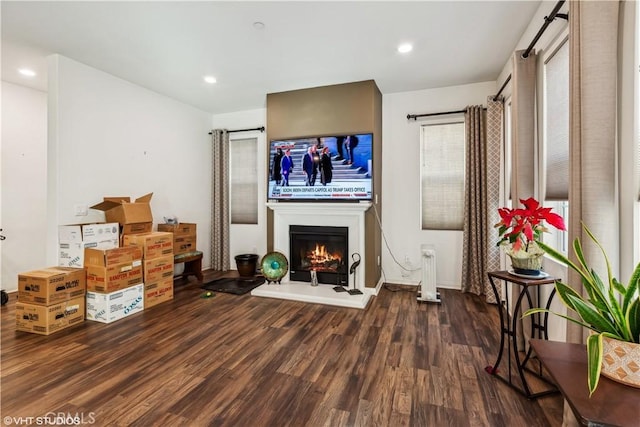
(556, 143)
(442, 176)
(244, 181)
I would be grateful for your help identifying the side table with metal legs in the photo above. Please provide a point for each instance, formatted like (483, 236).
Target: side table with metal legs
(509, 330)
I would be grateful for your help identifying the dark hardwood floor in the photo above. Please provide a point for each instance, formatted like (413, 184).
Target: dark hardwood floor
(248, 361)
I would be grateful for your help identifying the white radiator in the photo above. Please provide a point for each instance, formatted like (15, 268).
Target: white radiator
(428, 291)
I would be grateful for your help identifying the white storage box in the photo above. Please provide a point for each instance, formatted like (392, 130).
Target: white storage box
(73, 239)
(107, 308)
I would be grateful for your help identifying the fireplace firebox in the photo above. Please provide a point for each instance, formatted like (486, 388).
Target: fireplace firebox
(323, 249)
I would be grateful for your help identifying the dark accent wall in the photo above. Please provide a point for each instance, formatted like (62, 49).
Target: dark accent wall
(332, 110)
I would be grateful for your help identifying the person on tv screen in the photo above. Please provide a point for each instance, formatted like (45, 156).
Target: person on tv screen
(276, 171)
(340, 147)
(326, 167)
(286, 166)
(310, 163)
(351, 144)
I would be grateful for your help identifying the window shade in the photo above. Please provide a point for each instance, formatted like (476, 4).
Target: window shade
(442, 176)
(244, 181)
(557, 124)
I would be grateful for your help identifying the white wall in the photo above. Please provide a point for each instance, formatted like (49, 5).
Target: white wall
(401, 182)
(24, 168)
(108, 137)
(249, 238)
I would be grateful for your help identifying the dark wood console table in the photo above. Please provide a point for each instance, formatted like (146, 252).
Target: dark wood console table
(612, 404)
(509, 332)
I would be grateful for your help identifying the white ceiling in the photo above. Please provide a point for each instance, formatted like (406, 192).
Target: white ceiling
(169, 46)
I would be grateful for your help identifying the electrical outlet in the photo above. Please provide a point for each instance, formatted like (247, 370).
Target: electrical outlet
(81, 210)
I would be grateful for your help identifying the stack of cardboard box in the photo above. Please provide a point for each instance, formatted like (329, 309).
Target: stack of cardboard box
(157, 253)
(184, 236)
(73, 239)
(50, 299)
(114, 283)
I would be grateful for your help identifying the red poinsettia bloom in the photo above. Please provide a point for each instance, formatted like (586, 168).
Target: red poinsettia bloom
(521, 226)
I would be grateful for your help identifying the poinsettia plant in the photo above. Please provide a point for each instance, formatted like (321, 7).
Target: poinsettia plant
(521, 226)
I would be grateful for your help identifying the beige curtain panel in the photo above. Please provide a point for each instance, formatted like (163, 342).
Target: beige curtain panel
(523, 130)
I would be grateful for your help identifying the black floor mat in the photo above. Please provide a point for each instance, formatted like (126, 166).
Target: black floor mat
(234, 285)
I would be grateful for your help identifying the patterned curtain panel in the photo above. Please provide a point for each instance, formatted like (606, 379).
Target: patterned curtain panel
(495, 138)
(475, 238)
(220, 222)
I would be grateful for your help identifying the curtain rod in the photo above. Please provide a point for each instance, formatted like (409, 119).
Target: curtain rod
(547, 20)
(261, 129)
(415, 116)
(504, 85)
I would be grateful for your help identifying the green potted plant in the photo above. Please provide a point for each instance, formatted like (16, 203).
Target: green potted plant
(611, 311)
(521, 229)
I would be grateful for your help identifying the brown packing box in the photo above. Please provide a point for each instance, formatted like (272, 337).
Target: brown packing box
(136, 228)
(156, 293)
(184, 244)
(51, 285)
(45, 320)
(154, 244)
(123, 211)
(109, 270)
(107, 257)
(158, 269)
(114, 277)
(181, 229)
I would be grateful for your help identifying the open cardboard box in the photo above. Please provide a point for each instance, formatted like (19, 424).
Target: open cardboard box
(123, 211)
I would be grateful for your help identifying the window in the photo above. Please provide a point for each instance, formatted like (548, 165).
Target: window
(556, 138)
(244, 181)
(442, 175)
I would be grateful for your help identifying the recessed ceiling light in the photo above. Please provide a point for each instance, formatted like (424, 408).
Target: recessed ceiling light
(27, 72)
(258, 25)
(405, 48)
(210, 79)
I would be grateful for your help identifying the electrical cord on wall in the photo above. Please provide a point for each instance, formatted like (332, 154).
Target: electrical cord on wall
(384, 237)
(393, 288)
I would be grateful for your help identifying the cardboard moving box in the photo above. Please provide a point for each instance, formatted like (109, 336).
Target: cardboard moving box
(181, 229)
(114, 277)
(107, 257)
(73, 239)
(45, 320)
(154, 244)
(107, 308)
(184, 244)
(158, 292)
(157, 269)
(123, 211)
(51, 285)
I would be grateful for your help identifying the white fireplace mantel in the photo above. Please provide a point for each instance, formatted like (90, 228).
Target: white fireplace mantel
(351, 215)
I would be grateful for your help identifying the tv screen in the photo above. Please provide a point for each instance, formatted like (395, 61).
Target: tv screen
(321, 168)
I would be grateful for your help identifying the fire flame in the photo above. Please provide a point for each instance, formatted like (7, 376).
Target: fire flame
(321, 257)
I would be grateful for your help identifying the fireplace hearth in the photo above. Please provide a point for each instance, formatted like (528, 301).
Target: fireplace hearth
(321, 249)
(346, 215)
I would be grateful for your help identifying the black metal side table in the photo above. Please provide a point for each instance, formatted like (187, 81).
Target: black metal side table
(509, 330)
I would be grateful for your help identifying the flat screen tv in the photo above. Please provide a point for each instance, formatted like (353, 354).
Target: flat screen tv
(326, 168)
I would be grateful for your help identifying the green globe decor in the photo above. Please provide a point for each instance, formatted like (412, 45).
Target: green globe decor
(274, 266)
